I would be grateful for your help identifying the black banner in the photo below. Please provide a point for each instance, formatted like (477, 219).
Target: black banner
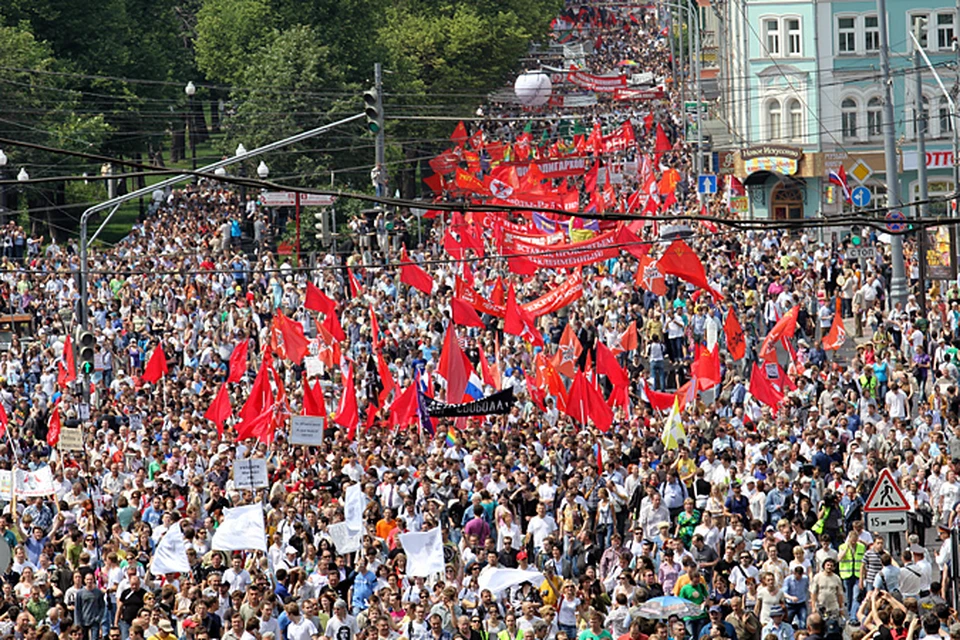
(499, 403)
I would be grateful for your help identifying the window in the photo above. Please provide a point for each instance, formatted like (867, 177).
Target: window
(794, 47)
(874, 117)
(919, 22)
(848, 110)
(946, 120)
(923, 125)
(944, 31)
(773, 120)
(796, 120)
(847, 36)
(772, 29)
(871, 33)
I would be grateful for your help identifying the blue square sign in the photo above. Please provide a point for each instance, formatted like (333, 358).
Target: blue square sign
(707, 183)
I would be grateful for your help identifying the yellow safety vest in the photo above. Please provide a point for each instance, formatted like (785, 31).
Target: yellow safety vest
(850, 566)
(505, 635)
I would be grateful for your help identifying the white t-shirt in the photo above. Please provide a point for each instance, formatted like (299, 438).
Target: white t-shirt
(896, 403)
(539, 528)
(337, 629)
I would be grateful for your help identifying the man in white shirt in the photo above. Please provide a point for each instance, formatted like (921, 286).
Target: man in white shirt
(236, 576)
(896, 402)
(540, 526)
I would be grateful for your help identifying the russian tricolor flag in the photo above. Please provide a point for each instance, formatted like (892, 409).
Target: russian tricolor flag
(839, 178)
(474, 387)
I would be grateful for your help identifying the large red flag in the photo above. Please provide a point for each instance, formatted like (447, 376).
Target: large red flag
(453, 366)
(464, 314)
(568, 351)
(736, 343)
(156, 366)
(763, 390)
(607, 365)
(459, 135)
(317, 300)
(413, 275)
(837, 335)
(403, 410)
(784, 329)
(627, 341)
(261, 394)
(238, 361)
(355, 289)
(348, 414)
(658, 399)
(53, 426)
(220, 409)
(332, 324)
(69, 362)
(386, 379)
(313, 402)
(487, 373)
(497, 293)
(585, 402)
(706, 367)
(295, 344)
(3, 421)
(683, 262)
(328, 349)
(512, 321)
(661, 145)
(650, 277)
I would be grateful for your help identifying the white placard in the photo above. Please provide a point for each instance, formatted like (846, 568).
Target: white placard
(313, 365)
(306, 430)
(250, 473)
(345, 540)
(136, 421)
(32, 484)
(71, 439)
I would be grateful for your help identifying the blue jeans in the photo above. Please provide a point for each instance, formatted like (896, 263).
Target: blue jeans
(797, 614)
(570, 630)
(659, 375)
(124, 629)
(851, 589)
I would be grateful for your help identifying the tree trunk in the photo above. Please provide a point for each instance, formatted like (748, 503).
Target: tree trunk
(179, 138)
(214, 114)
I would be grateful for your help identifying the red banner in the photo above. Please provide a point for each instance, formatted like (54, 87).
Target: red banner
(570, 255)
(539, 239)
(603, 84)
(556, 167)
(564, 202)
(557, 298)
(638, 94)
(619, 140)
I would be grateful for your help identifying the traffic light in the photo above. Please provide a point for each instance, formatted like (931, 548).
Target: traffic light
(322, 226)
(86, 348)
(373, 110)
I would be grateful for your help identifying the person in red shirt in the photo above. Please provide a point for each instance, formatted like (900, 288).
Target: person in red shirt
(634, 633)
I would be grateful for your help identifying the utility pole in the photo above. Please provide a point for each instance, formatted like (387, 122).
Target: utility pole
(898, 279)
(920, 128)
(380, 147)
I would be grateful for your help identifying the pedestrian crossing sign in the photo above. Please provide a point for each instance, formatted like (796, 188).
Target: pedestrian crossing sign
(886, 495)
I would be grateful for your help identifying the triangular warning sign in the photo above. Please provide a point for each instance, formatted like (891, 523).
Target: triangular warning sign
(886, 495)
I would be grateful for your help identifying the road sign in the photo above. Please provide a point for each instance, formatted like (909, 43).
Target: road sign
(860, 196)
(855, 253)
(289, 199)
(886, 495)
(895, 221)
(707, 183)
(887, 522)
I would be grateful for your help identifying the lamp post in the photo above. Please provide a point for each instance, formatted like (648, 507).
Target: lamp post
(242, 172)
(190, 90)
(3, 193)
(23, 176)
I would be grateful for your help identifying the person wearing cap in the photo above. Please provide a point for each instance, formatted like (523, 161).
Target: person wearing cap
(164, 631)
(915, 573)
(716, 620)
(776, 626)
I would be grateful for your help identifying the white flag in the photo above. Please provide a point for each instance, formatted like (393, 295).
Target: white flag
(424, 552)
(502, 578)
(170, 556)
(242, 529)
(354, 504)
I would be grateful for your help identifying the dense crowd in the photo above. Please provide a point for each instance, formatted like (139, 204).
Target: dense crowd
(753, 518)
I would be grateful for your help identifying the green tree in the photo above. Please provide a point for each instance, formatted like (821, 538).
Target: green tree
(229, 35)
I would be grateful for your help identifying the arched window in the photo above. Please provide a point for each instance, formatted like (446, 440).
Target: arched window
(774, 120)
(795, 110)
(848, 111)
(874, 117)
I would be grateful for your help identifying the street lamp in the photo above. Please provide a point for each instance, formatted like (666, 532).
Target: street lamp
(190, 90)
(242, 172)
(3, 193)
(220, 172)
(241, 150)
(23, 176)
(263, 170)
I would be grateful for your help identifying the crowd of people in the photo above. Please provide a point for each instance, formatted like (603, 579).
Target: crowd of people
(753, 518)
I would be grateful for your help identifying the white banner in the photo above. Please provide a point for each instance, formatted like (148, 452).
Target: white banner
(242, 529)
(344, 539)
(354, 504)
(424, 552)
(307, 430)
(33, 484)
(170, 556)
(497, 580)
(250, 473)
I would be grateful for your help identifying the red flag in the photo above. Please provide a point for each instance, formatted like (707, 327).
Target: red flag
(259, 426)
(355, 289)
(585, 402)
(459, 135)
(837, 335)
(706, 367)
(453, 366)
(317, 300)
(328, 347)
(347, 412)
(261, 395)
(464, 315)
(659, 400)
(403, 411)
(599, 459)
(762, 389)
(736, 343)
(413, 275)
(313, 401)
(648, 121)
(487, 373)
(607, 365)
(568, 351)
(332, 324)
(238, 361)
(784, 329)
(627, 341)
(590, 178)
(3, 421)
(683, 262)
(156, 366)
(53, 426)
(650, 277)
(220, 409)
(69, 363)
(497, 294)
(512, 322)
(661, 145)
(295, 344)
(470, 183)
(386, 379)
(374, 328)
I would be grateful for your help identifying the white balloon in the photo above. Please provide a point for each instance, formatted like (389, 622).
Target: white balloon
(533, 88)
